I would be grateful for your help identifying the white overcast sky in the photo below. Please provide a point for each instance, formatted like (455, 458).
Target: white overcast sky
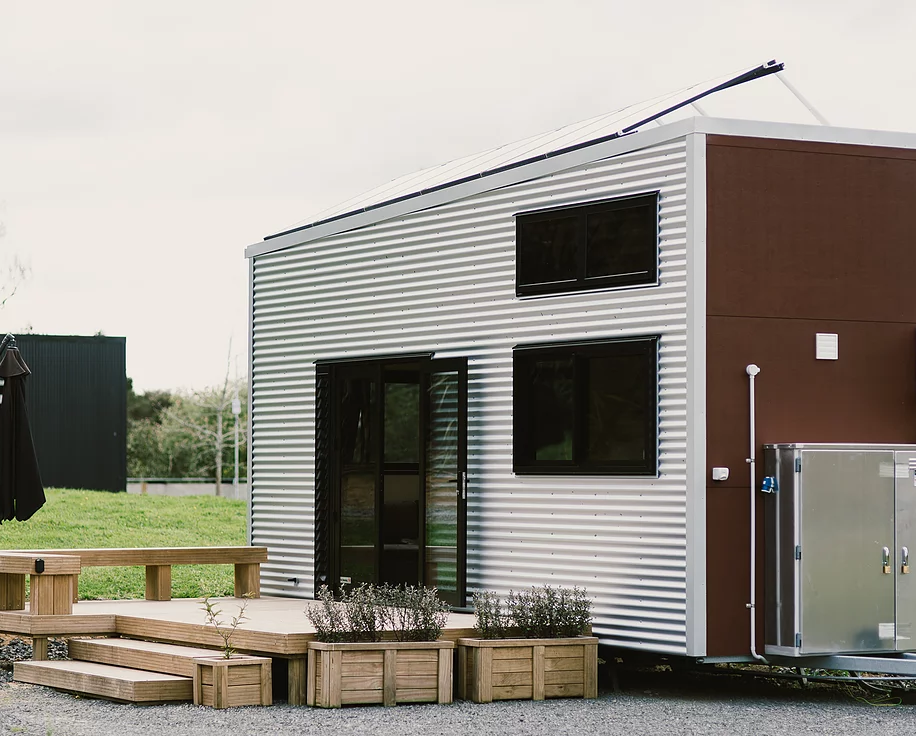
(143, 146)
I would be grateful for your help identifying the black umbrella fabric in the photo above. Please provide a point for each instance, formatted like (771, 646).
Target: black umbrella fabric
(21, 492)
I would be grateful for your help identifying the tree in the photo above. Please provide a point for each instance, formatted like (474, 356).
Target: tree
(203, 420)
(149, 405)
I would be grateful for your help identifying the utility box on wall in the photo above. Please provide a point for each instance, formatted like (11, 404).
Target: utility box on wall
(840, 527)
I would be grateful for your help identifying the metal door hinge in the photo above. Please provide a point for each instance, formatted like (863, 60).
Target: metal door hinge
(798, 641)
(798, 465)
(797, 551)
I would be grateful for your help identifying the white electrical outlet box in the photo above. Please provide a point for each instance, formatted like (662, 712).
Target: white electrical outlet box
(720, 473)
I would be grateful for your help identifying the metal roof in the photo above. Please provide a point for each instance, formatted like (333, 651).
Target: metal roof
(605, 127)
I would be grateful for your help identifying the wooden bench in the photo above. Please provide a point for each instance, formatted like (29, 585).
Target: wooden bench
(158, 562)
(51, 580)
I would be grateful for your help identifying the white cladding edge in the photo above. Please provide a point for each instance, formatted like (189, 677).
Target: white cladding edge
(696, 394)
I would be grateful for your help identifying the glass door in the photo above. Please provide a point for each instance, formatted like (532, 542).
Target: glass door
(357, 471)
(399, 474)
(445, 471)
(401, 452)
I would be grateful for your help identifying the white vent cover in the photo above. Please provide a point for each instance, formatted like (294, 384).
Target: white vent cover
(826, 346)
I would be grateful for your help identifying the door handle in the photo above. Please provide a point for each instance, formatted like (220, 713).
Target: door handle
(886, 560)
(463, 485)
(904, 561)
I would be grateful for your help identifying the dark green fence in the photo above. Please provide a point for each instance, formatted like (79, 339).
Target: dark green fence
(77, 403)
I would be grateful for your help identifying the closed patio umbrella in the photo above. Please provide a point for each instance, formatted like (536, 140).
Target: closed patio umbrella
(21, 492)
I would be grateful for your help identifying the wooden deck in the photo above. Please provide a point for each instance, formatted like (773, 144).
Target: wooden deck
(274, 627)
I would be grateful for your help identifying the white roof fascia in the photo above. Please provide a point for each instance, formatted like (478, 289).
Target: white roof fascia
(807, 133)
(580, 156)
(525, 172)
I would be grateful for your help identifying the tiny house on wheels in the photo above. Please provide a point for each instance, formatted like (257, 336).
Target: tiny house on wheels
(535, 366)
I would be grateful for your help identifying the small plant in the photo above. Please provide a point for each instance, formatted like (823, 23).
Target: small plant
(225, 630)
(356, 616)
(491, 621)
(413, 613)
(364, 613)
(538, 613)
(328, 616)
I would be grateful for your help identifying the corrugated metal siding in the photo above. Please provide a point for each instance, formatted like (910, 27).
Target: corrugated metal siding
(443, 280)
(77, 403)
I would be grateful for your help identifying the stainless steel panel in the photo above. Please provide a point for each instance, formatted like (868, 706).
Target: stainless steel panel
(846, 519)
(904, 570)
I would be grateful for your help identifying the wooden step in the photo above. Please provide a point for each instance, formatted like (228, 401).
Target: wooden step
(152, 656)
(105, 681)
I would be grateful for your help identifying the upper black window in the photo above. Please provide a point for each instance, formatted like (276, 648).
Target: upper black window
(611, 243)
(588, 408)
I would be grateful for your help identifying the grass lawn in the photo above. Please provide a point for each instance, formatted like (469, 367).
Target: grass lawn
(91, 519)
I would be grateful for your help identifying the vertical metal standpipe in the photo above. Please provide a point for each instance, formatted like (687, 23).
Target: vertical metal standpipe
(752, 371)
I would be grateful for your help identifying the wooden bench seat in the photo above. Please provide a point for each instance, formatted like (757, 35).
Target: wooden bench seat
(158, 562)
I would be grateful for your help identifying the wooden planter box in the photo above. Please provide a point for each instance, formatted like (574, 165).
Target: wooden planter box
(239, 680)
(519, 669)
(384, 673)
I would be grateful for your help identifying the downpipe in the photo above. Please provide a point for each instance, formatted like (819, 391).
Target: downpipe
(752, 371)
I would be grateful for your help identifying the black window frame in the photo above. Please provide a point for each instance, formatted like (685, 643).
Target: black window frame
(581, 213)
(523, 462)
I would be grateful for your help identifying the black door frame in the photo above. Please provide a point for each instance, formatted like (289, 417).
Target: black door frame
(327, 462)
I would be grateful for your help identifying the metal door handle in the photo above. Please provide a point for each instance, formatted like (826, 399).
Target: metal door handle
(904, 560)
(463, 485)
(886, 560)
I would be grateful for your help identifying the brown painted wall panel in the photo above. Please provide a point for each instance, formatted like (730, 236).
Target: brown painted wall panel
(795, 233)
(802, 238)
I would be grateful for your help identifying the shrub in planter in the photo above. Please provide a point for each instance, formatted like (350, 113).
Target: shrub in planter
(549, 613)
(349, 663)
(548, 657)
(357, 616)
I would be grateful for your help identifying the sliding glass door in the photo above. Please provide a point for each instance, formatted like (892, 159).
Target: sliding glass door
(394, 497)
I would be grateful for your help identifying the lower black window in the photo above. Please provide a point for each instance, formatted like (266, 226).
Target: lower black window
(587, 407)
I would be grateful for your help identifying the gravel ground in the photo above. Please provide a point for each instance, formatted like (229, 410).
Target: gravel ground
(653, 703)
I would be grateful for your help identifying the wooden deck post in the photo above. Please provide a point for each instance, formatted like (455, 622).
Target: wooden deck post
(248, 580)
(12, 591)
(50, 595)
(463, 673)
(296, 680)
(158, 582)
(39, 648)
